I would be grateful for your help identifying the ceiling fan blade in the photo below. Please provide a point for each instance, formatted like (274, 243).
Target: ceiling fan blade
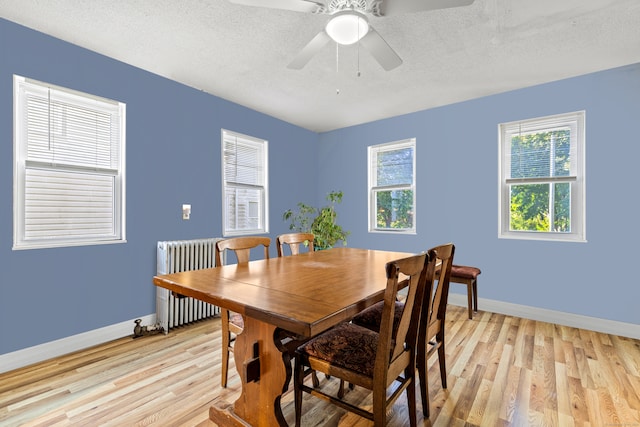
(380, 50)
(390, 7)
(313, 47)
(295, 5)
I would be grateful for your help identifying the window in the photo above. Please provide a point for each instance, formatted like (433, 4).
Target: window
(244, 180)
(69, 186)
(542, 188)
(392, 183)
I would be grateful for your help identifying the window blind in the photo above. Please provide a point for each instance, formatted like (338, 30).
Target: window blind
(543, 151)
(393, 166)
(67, 205)
(243, 161)
(541, 155)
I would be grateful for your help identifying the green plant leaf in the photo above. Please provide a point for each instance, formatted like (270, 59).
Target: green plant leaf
(322, 222)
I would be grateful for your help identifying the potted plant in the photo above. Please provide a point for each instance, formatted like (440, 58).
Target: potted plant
(319, 221)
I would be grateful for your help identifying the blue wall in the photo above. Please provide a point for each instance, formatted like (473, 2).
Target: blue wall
(173, 157)
(457, 180)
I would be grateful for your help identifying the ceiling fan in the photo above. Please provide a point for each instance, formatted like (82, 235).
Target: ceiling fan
(349, 24)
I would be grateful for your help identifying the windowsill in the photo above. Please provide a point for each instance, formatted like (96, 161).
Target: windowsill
(65, 244)
(547, 237)
(400, 232)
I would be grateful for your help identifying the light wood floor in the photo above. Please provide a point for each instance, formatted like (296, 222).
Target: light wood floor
(502, 371)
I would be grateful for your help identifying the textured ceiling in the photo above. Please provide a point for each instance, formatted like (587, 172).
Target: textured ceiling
(240, 53)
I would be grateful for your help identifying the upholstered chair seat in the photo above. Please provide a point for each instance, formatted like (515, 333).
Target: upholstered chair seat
(370, 317)
(236, 319)
(346, 346)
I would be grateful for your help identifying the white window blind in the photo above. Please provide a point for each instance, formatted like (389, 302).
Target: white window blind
(245, 184)
(69, 167)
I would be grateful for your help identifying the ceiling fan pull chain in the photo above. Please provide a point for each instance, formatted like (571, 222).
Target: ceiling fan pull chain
(337, 61)
(358, 49)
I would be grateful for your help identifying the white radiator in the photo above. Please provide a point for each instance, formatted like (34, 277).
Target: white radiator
(183, 255)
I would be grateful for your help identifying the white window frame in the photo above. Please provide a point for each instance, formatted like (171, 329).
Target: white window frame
(575, 121)
(373, 188)
(78, 198)
(261, 184)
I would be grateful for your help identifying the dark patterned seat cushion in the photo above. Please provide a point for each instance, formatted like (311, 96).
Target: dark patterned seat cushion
(236, 319)
(347, 346)
(371, 317)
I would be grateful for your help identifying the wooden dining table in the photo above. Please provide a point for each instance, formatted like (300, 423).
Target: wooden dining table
(304, 295)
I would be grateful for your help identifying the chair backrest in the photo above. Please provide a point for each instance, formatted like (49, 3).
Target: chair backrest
(396, 344)
(294, 240)
(434, 306)
(242, 247)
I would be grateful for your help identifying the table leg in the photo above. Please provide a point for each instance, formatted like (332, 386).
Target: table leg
(259, 401)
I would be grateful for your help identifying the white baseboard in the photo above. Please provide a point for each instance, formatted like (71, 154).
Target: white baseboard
(39, 353)
(49, 350)
(606, 326)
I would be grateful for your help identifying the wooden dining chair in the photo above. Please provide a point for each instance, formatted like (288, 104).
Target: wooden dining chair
(432, 322)
(432, 319)
(233, 323)
(294, 241)
(373, 360)
(467, 275)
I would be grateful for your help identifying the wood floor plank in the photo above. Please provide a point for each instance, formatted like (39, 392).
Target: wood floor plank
(499, 386)
(520, 415)
(502, 371)
(562, 389)
(508, 400)
(578, 401)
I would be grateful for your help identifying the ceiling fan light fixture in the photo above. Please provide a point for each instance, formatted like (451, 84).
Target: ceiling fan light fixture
(347, 27)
